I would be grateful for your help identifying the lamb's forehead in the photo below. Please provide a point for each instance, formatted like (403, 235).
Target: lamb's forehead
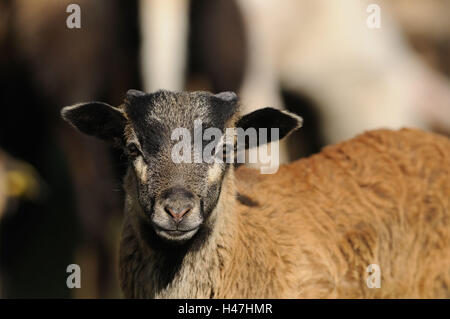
(171, 109)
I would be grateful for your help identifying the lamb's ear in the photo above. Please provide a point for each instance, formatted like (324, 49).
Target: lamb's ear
(269, 118)
(97, 119)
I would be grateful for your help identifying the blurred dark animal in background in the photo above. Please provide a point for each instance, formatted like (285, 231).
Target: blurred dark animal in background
(46, 65)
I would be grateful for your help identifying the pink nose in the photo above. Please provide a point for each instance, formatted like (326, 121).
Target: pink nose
(177, 215)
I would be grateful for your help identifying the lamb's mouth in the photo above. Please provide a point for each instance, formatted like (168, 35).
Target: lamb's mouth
(176, 234)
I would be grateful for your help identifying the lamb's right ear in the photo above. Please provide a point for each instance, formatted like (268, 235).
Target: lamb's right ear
(97, 119)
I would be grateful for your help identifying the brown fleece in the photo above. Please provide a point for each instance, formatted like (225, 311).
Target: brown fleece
(316, 225)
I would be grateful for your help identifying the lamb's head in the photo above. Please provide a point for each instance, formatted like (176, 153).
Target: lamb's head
(173, 143)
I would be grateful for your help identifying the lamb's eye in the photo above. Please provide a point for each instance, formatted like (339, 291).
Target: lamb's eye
(132, 150)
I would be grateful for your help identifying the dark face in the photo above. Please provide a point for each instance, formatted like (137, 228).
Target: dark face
(174, 195)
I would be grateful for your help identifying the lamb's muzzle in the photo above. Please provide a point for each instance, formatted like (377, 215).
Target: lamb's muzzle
(175, 214)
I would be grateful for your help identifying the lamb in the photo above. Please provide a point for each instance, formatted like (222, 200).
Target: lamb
(311, 230)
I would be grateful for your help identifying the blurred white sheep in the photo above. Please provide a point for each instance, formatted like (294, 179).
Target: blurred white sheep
(360, 78)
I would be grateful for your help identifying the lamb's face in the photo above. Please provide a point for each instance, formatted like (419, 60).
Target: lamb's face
(170, 139)
(176, 191)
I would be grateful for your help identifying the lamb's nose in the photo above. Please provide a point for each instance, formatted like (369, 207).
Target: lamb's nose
(177, 214)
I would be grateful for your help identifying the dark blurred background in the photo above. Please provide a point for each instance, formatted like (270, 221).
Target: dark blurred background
(60, 191)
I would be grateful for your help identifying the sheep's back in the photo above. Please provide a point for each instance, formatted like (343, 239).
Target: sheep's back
(381, 198)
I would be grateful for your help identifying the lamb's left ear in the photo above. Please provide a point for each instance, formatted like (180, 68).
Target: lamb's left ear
(97, 119)
(268, 117)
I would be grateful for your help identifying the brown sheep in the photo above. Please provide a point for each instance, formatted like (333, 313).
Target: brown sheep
(381, 198)
(309, 231)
